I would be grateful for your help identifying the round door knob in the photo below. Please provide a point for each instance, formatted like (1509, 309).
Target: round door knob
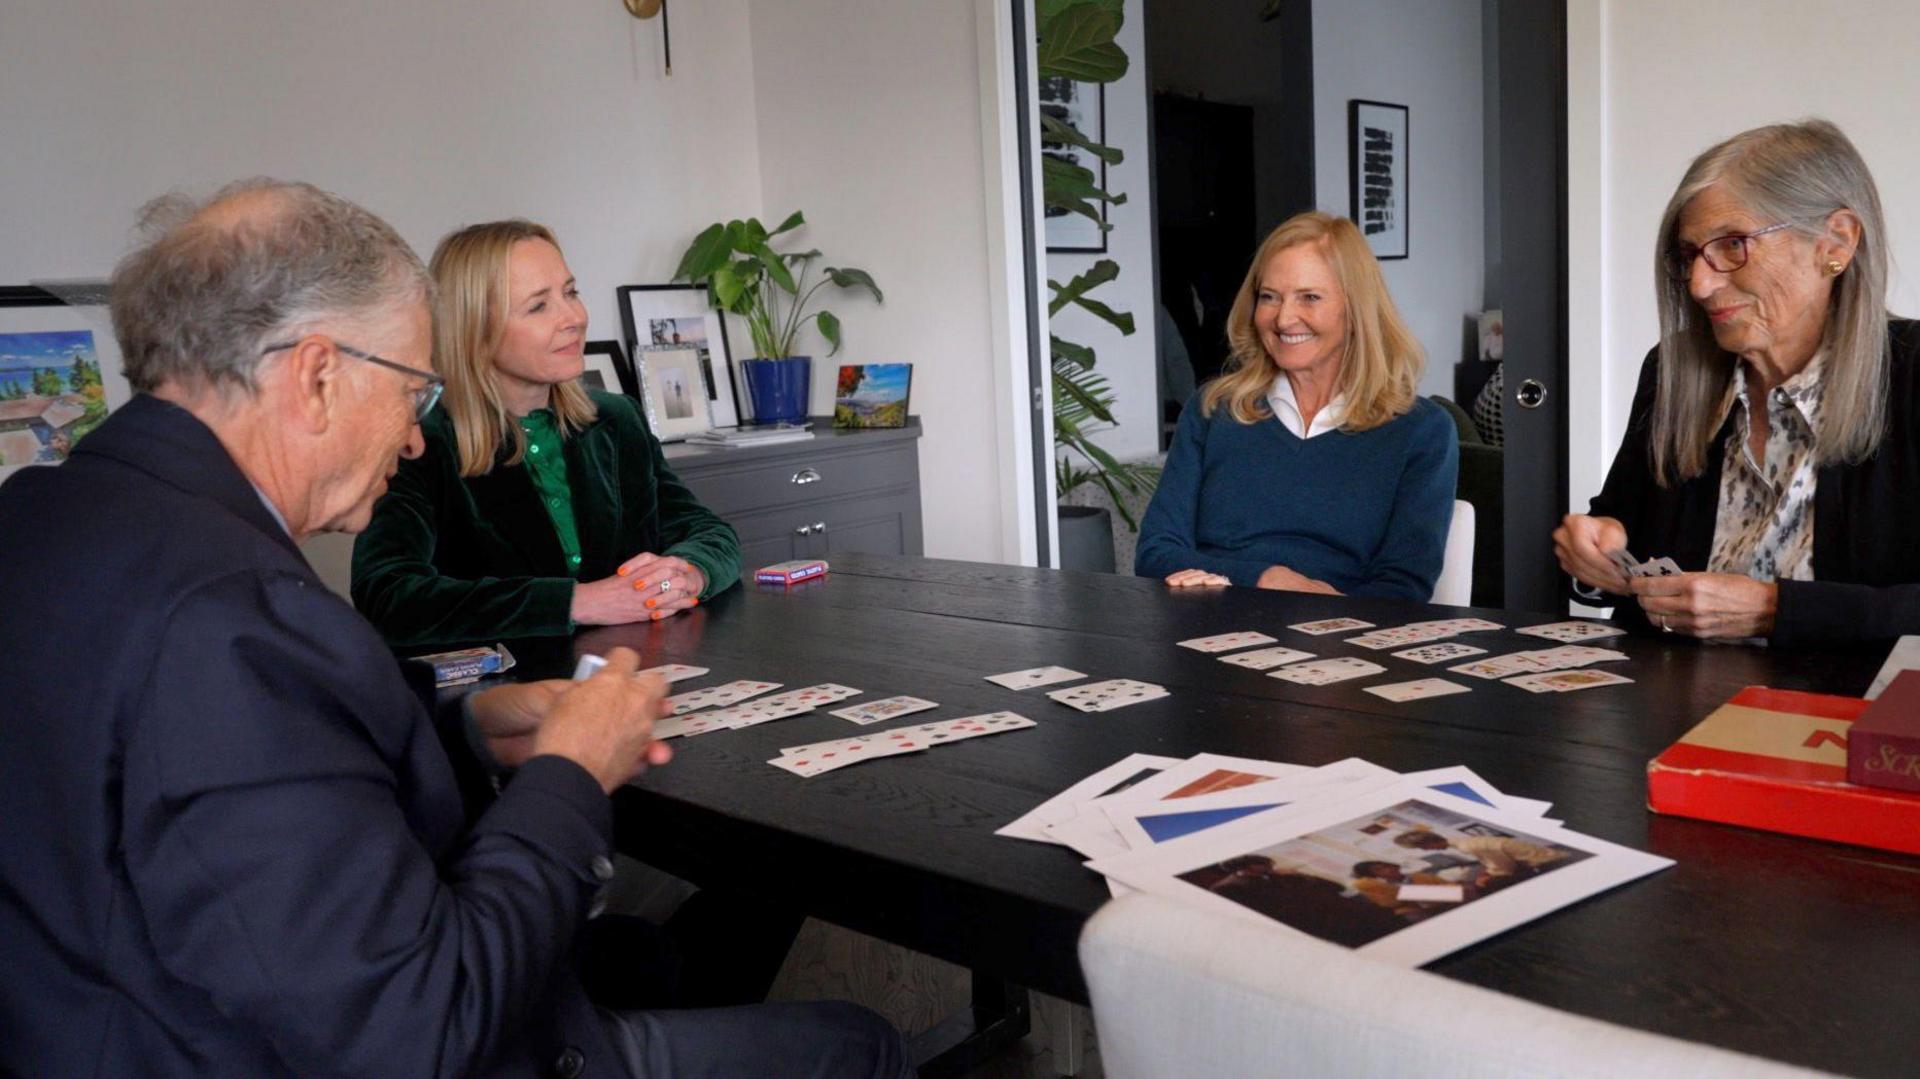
(1531, 394)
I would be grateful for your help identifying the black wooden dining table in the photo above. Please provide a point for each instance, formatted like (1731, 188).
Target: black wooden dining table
(1784, 947)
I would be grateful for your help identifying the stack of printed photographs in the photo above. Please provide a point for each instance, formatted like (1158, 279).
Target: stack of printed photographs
(1400, 867)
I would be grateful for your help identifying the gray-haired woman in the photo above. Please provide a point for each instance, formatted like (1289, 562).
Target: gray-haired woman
(1774, 443)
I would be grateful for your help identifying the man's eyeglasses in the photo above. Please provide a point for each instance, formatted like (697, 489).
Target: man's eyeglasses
(424, 397)
(1724, 254)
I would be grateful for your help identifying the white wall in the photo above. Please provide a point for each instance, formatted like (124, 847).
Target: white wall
(1648, 105)
(432, 113)
(1130, 363)
(1424, 54)
(869, 122)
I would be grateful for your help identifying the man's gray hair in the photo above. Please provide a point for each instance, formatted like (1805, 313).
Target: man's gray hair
(197, 302)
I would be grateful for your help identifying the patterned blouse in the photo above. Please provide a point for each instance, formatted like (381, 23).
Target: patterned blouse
(1764, 528)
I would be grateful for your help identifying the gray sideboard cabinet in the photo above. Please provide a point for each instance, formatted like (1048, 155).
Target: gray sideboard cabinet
(836, 492)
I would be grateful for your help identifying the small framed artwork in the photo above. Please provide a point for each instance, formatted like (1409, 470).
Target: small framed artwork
(1081, 106)
(673, 317)
(59, 376)
(872, 395)
(672, 392)
(1377, 152)
(608, 369)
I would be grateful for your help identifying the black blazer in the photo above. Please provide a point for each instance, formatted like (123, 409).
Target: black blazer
(1866, 518)
(230, 839)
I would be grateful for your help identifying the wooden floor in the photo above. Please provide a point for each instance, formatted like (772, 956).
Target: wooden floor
(915, 992)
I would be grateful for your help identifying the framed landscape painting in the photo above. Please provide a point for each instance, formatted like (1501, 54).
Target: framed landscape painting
(872, 395)
(53, 383)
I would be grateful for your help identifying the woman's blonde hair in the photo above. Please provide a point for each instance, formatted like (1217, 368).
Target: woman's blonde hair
(1380, 370)
(470, 318)
(1799, 174)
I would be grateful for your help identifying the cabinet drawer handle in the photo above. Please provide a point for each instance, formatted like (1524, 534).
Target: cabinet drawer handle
(819, 526)
(803, 530)
(806, 476)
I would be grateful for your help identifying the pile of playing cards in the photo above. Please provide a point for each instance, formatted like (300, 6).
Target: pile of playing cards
(814, 758)
(1350, 852)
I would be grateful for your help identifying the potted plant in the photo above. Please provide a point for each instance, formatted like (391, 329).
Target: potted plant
(745, 275)
(1075, 40)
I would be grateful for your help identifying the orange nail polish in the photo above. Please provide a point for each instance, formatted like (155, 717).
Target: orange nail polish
(693, 603)
(641, 584)
(622, 571)
(650, 604)
(658, 615)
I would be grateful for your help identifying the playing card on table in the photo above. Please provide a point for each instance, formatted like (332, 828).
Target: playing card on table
(1227, 642)
(811, 760)
(1398, 637)
(753, 713)
(811, 696)
(1534, 682)
(697, 723)
(1323, 672)
(959, 730)
(1439, 653)
(888, 708)
(1499, 666)
(1567, 681)
(1575, 630)
(1108, 695)
(1571, 655)
(1035, 676)
(1330, 625)
(674, 672)
(719, 696)
(1261, 659)
(1413, 691)
(1466, 625)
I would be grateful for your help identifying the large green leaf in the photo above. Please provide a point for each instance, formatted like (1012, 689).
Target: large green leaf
(791, 257)
(1077, 42)
(776, 267)
(1059, 132)
(1096, 275)
(729, 290)
(829, 329)
(1067, 350)
(793, 221)
(707, 253)
(848, 277)
(1120, 320)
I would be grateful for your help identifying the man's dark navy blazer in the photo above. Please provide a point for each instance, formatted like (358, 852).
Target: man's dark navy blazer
(230, 840)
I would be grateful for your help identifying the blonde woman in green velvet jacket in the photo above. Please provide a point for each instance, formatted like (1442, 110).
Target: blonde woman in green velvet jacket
(539, 506)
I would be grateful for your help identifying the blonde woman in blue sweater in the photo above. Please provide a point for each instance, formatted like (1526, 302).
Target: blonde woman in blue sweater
(1312, 464)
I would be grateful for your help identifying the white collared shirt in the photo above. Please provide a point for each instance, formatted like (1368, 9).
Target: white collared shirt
(1764, 525)
(1281, 400)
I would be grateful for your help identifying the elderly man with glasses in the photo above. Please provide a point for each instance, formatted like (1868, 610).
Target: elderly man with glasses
(233, 841)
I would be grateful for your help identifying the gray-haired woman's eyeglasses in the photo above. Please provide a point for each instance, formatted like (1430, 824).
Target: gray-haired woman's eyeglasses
(1724, 254)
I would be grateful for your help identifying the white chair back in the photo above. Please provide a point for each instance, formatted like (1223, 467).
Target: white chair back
(1180, 991)
(1455, 586)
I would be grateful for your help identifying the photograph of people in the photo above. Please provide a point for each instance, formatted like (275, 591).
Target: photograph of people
(539, 506)
(1772, 443)
(1311, 464)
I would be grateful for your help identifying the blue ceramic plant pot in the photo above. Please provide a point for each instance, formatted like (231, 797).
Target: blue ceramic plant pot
(779, 389)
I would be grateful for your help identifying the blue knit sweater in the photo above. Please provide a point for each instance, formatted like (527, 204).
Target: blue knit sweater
(1367, 512)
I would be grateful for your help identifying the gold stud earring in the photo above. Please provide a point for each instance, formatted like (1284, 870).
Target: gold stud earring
(1834, 267)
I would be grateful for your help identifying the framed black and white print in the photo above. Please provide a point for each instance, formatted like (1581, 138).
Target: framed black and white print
(1081, 106)
(608, 369)
(673, 317)
(1377, 151)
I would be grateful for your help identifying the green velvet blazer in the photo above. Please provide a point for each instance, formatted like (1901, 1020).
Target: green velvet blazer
(453, 560)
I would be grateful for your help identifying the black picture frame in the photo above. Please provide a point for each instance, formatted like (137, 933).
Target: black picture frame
(1066, 232)
(1379, 153)
(617, 358)
(650, 302)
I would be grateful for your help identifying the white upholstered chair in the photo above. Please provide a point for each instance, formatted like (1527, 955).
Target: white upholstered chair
(1455, 586)
(1179, 991)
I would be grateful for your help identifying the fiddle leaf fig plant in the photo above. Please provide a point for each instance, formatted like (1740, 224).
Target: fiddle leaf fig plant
(737, 262)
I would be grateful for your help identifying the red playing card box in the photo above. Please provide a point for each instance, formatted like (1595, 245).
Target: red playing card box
(1883, 749)
(790, 572)
(1777, 759)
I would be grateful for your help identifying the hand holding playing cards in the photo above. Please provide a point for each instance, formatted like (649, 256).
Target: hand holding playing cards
(1581, 544)
(1194, 578)
(646, 587)
(1709, 604)
(506, 716)
(1283, 579)
(605, 723)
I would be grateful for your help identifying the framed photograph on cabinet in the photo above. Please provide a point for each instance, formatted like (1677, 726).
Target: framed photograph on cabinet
(672, 392)
(671, 318)
(1377, 151)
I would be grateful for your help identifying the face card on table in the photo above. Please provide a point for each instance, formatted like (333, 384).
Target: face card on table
(1329, 625)
(884, 709)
